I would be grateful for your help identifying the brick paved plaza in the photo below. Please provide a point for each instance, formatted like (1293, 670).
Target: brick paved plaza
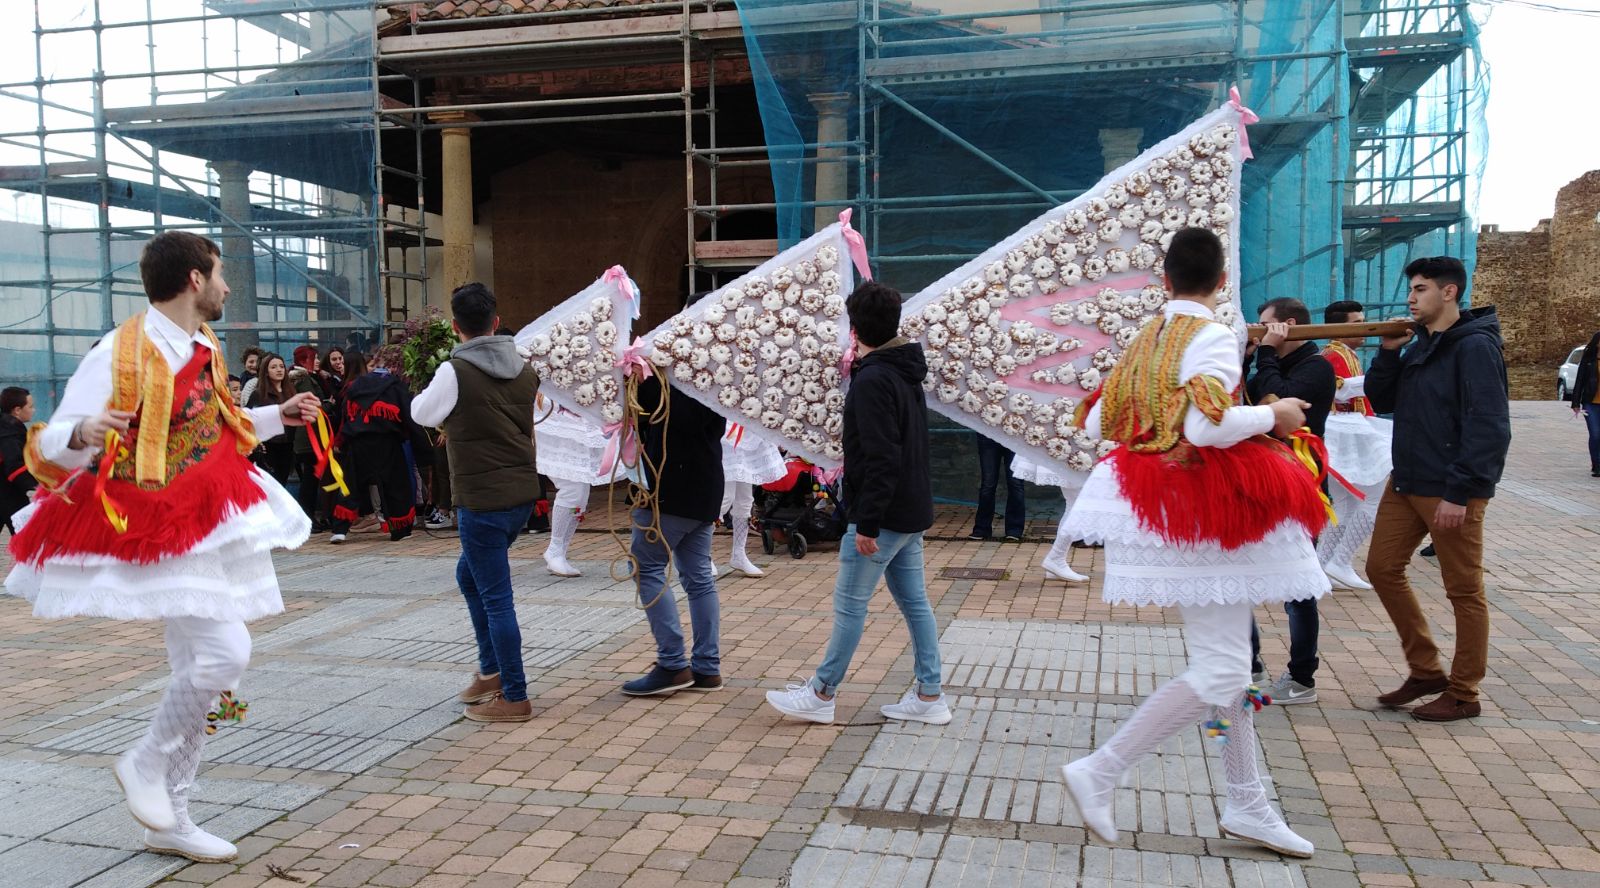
(355, 768)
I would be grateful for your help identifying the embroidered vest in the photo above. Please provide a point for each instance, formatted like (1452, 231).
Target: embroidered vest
(1143, 402)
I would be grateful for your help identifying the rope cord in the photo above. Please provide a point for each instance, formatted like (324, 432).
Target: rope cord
(641, 497)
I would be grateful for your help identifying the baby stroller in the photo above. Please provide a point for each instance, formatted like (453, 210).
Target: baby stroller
(798, 510)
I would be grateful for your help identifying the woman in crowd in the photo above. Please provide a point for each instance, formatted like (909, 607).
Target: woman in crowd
(275, 456)
(306, 377)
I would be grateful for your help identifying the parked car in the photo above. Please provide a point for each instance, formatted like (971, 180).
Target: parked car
(1567, 376)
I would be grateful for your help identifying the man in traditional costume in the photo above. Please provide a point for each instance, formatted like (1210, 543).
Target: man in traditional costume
(1200, 510)
(747, 463)
(1057, 562)
(1358, 449)
(150, 510)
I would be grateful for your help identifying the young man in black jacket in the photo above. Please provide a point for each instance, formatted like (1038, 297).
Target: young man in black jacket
(688, 491)
(1285, 369)
(1452, 428)
(888, 500)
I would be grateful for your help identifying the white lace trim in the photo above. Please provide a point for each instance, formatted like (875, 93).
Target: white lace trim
(754, 461)
(1144, 569)
(232, 583)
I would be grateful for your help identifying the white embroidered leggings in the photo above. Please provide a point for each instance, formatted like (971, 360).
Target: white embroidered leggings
(1218, 639)
(207, 657)
(1338, 543)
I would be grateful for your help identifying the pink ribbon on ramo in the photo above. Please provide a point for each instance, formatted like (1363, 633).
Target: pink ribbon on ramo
(857, 245)
(848, 359)
(1246, 117)
(633, 362)
(617, 275)
(621, 442)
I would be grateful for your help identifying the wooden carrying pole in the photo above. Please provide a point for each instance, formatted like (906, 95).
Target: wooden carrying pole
(1305, 332)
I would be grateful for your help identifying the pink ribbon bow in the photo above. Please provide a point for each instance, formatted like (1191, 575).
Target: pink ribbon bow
(622, 442)
(1246, 117)
(617, 275)
(857, 245)
(633, 362)
(848, 359)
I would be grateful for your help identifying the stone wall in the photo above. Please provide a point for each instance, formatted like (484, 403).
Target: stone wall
(1545, 284)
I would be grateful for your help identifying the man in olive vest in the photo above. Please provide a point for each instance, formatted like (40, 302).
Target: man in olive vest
(483, 400)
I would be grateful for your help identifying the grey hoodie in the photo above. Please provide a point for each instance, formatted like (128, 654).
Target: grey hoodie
(494, 355)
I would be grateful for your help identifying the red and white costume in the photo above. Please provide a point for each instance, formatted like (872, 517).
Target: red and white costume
(747, 463)
(1198, 510)
(1359, 450)
(200, 524)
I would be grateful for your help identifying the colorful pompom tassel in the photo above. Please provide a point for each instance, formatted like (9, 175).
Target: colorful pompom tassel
(1217, 729)
(228, 710)
(1256, 698)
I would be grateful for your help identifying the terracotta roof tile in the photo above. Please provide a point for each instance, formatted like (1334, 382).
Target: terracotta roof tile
(436, 10)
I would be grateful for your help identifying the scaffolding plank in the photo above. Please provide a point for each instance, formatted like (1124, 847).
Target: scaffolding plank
(555, 34)
(723, 250)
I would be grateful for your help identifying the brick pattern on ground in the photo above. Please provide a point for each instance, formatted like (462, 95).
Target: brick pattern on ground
(355, 769)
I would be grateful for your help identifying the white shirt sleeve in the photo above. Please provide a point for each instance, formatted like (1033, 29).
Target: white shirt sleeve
(88, 393)
(268, 421)
(434, 404)
(1091, 423)
(1214, 352)
(1351, 388)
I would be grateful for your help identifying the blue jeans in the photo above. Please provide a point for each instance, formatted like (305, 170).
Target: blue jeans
(1591, 416)
(690, 542)
(994, 465)
(899, 562)
(1303, 627)
(484, 575)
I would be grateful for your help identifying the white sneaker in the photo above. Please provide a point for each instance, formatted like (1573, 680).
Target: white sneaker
(336, 539)
(1287, 692)
(560, 566)
(1267, 829)
(1093, 796)
(801, 702)
(1062, 571)
(441, 520)
(194, 843)
(1345, 577)
(742, 563)
(147, 798)
(913, 708)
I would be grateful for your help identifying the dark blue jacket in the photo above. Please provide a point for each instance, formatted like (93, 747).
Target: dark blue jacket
(1452, 420)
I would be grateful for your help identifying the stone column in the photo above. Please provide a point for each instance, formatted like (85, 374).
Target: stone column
(456, 205)
(1119, 146)
(833, 170)
(238, 257)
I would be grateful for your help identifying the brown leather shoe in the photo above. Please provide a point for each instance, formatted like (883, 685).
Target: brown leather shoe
(483, 689)
(1446, 708)
(1413, 690)
(703, 682)
(501, 710)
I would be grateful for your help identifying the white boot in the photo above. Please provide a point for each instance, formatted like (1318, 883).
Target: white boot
(1344, 576)
(146, 791)
(740, 559)
(1055, 561)
(188, 840)
(563, 526)
(1248, 815)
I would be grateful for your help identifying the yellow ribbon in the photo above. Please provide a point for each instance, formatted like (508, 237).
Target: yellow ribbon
(1300, 444)
(113, 453)
(322, 443)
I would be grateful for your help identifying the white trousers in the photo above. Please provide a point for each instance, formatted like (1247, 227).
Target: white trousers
(572, 495)
(207, 657)
(738, 498)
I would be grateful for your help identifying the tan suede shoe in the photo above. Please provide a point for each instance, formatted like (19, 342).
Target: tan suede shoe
(501, 710)
(483, 689)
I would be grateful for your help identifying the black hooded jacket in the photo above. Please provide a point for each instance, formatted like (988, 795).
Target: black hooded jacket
(690, 485)
(376, 404)
(886, 469)
(1452, 418)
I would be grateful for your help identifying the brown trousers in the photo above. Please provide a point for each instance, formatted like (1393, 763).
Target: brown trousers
(1402, 523)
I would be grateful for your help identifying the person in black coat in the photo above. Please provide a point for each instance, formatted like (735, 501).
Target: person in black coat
(888, 502)
(16, 411)
(1452, 427)
(1586, 399)
(1283, 370)
(683, 469)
